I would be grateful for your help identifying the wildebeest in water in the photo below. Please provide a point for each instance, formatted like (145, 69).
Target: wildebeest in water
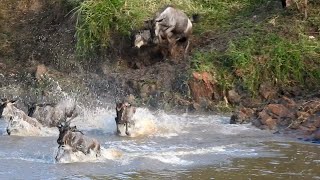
(74, 138)
(51, 114)
(125, 112)
(18, 121)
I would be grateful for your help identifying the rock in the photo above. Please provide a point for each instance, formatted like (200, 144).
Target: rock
(271, 123)
(267, 90)
(40, 72)
(194, 107)
(244, 115)
(316, 134)
(233, 97)
(203, 85)
(317, 122)
(263, 116)
(279, 111)
(251, 103)
(257, 123)
(311, 107)
(303, 116)
(289, 103)
(305, 130)
(267, 120)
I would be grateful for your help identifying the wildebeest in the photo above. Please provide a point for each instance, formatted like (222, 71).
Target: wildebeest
(170, 25)
(74, 138)
(52, 114)
(18, 122)
(125, 112)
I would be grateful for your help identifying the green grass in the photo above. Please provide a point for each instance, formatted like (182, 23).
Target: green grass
(100, 20)
(264, 57)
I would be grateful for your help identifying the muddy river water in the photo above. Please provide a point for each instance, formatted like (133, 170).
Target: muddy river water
(163, 146)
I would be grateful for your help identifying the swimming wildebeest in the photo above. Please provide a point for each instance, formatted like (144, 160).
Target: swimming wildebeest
(125, 112)
(18, 122)
(74, 138)
(170, 25)
(52, 114)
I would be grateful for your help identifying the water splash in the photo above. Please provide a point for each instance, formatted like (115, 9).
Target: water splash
(146, 122)
(66, 155)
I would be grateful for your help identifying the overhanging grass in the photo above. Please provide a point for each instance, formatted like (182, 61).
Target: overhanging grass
(99, 19)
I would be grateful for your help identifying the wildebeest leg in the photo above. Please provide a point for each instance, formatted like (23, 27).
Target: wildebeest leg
(118, 130)
(98, 150)
(172, 45)
(56, 158)
(127, 131)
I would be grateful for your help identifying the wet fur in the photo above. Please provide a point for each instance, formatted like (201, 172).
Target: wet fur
(125, 112)
(77, 141)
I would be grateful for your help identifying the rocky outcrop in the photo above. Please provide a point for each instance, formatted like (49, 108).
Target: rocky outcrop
(283, 114)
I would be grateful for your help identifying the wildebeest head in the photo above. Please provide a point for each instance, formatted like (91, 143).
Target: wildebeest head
(142, 38)
(6, 108)
(64, 132)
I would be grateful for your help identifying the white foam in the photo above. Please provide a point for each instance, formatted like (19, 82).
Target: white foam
(146, 123)
(65, 155)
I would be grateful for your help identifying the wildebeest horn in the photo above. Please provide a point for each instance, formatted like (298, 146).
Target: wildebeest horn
(13, 101)
(74, 129)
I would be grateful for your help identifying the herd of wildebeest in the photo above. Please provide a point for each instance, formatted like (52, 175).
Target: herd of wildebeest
(41, 116)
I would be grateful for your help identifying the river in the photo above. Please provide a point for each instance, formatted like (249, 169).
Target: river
(163, 146)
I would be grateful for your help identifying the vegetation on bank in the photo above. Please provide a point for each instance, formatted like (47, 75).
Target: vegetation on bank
(99, 20)
(272, 45)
